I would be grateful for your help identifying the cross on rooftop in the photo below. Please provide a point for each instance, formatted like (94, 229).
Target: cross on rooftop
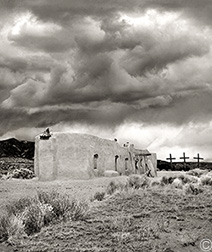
(198, 159)
(184, 159)
(171, 158)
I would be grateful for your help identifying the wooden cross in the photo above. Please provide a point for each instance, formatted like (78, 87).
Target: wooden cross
(198, 159)
(171, 158)
(184, 159)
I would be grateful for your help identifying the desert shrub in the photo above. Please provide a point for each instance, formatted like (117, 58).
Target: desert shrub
(188, 179)
(79, 210)
(138, 181)
(176, 180)
(192, 188)
(29, 215)
(197, 172)
(47, 213)
(167, 180)
(60, 203)
(62, 206)
(99, 196)
(112, 187)
(22, 173)
(4, 226)
(184, 179)
(16, 225)
(33, 219)
(10, 226)
(206, 180)
(16, 207)
(164, 180)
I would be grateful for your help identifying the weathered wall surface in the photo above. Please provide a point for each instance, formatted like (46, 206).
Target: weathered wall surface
(72, 155)
(45, 158)
(80, 156)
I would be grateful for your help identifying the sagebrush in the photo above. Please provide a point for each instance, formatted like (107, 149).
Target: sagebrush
(29, 215)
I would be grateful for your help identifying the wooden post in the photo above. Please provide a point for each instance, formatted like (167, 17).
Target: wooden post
(198, 159)
(184, 160)
(171, 158)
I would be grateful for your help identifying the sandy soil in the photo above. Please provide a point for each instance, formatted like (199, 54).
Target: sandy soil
(82, 189)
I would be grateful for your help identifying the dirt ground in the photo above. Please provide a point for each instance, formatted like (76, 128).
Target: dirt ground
(153, 219)
(14, 189)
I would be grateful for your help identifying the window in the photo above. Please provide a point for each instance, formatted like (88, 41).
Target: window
(95, 158)
(126, 163)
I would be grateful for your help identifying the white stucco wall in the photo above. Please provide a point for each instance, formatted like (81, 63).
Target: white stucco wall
(68, 155)
(72, 155)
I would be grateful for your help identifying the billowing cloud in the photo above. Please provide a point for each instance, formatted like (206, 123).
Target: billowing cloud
(107, 66)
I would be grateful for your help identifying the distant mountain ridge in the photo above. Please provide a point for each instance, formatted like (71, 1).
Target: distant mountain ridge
(178, 166)
(14, 148)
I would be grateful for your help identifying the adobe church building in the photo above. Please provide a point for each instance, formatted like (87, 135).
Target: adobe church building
(82, 156)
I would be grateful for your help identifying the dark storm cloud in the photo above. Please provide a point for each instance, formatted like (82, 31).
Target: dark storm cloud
(138, 61)
(63, 10)
(190, 107)
(46, 117)
(90, 57)
(20, 64)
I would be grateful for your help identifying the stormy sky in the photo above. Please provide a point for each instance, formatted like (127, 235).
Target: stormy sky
(138, 70)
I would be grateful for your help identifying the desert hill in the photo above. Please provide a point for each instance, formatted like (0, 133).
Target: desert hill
(178, 166)
(15, 154)
(15, 148)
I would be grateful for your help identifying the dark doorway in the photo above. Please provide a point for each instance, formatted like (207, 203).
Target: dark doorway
(136, 165)
(116, 162)
(126, 163)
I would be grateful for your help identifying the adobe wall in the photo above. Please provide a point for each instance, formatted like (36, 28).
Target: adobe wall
(68, 155)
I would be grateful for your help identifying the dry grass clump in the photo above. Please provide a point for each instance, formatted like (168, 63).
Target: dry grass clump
(29, 215)
(4, 224)
(187, 179)
(133, 182)
(18, 206)
(167, 180)
(175, 180)
(206, 180)
(138, 181)
(62, 206)
(142, 181)
(197, 172)
(113, 187)
(192, 188)
(33, 218)
(188, 183)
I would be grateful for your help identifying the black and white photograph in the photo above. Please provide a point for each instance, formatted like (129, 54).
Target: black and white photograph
(105, 125)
